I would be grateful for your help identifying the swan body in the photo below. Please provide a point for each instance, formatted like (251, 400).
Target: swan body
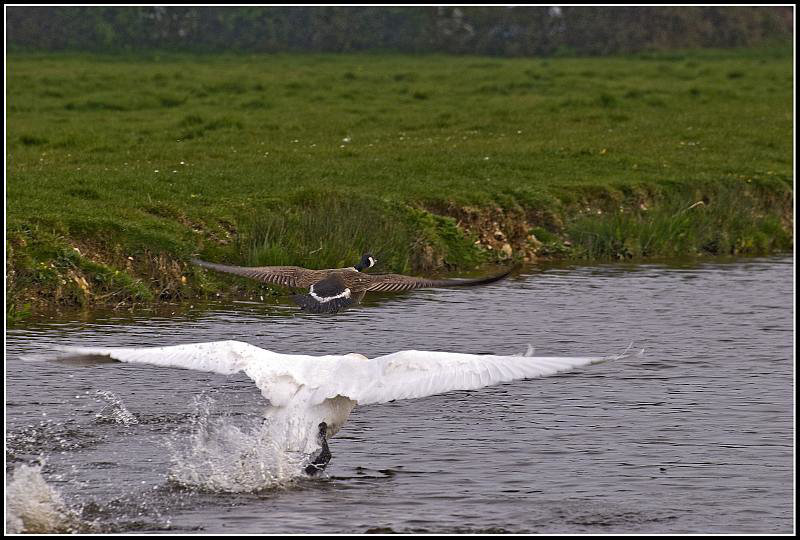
(325, 389)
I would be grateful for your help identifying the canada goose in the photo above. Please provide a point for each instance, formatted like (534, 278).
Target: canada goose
(323, 390)
(333, 289)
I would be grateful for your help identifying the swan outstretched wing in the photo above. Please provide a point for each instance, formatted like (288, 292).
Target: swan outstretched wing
(224, 357)
(313, 379)
(279, 376)
(415, 374)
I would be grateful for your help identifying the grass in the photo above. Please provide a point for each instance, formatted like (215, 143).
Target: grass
(343, 228)
(722, 221)
(141, 161)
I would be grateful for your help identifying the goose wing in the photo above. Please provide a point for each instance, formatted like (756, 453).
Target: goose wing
(288, 276)
(399, 282)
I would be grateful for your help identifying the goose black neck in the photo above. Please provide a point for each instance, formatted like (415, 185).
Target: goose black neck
(366, 262)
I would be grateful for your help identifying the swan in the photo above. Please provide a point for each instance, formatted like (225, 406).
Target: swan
(323, 390)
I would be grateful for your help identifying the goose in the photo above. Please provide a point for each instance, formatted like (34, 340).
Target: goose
(323, 390)
(334, 289)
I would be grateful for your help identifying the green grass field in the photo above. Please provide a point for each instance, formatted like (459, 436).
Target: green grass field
(120, 168)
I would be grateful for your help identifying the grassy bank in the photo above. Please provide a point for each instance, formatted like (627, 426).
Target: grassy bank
(119, 169)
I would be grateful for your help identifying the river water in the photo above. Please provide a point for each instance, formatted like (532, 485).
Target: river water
(694, 437)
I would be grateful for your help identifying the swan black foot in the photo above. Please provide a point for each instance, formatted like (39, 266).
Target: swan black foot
(321, 458)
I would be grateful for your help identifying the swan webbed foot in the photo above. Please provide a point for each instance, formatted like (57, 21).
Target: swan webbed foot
(320, 459)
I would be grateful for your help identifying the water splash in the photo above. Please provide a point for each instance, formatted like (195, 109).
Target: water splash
(115, 411)
(33, 506)
(220, 456)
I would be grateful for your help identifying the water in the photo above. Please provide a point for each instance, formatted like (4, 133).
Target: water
(695, 437)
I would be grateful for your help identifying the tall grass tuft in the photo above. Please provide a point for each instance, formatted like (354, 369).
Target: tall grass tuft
(326, 229)
(723, 222)
(329, 233)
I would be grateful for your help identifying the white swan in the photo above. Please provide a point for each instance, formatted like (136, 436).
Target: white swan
(325, 389)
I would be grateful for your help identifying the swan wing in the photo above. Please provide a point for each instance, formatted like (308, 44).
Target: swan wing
(280, 377)
(283, 378)
(415, 374)
(224, 357)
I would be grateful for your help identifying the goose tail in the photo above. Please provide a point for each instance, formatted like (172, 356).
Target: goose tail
(313, 304)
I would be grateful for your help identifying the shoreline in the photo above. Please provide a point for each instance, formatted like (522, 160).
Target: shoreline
(280, 300)
(484, 238)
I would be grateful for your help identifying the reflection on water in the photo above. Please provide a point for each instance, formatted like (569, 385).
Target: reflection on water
(694, 437)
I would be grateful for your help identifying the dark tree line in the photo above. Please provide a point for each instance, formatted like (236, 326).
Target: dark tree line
(505, 31)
